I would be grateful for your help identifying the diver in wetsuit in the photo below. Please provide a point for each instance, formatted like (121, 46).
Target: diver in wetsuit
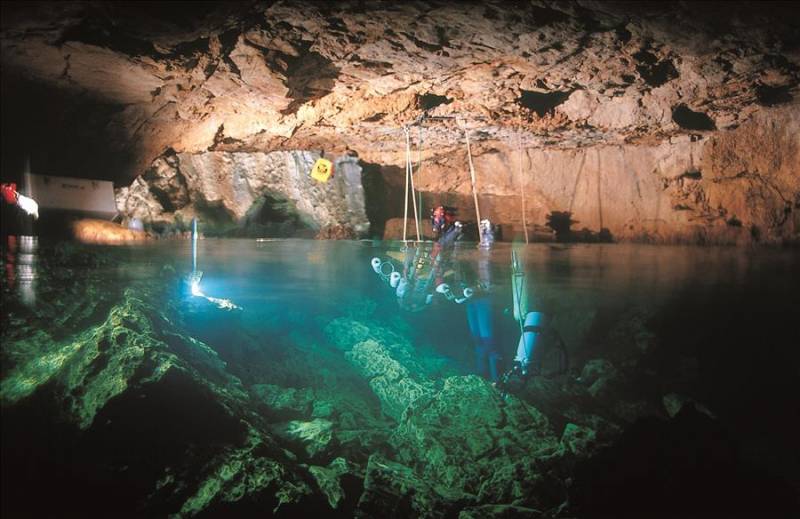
(480, 319)
(428, 273)
(476, 295)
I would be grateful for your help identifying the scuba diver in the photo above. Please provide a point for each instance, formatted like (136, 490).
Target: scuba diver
(481, 320)
(431, 272)
(424, 266)
(534, 333)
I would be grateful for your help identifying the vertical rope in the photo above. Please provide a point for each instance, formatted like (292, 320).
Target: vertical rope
(577, 180)
(599, 189)
(419, 164)
(405, 199)
(410, 173)
(522, 187)
(474, 191)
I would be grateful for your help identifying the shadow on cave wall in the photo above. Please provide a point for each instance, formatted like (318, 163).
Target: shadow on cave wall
(272, 215)
(382, 201)
(384, 189)
(275, 216)
(561, 223)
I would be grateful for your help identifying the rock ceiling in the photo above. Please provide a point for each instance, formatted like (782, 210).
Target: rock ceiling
(348, 75)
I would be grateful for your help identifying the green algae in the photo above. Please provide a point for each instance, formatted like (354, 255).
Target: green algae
(244, 472)
(315, 435)
(329, 479)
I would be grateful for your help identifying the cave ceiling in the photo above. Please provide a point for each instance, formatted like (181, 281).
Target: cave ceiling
(128, 81)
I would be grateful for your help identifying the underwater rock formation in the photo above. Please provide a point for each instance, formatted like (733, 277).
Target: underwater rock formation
(458, 442)
(168, 406)
(627, 117)
(151, 413)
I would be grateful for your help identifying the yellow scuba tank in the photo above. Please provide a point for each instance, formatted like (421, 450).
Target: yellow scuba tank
(519, 288)
(322, 170)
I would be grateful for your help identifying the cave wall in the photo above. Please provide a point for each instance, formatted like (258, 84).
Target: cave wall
(224, 189)
(623, 109)
(736, 186)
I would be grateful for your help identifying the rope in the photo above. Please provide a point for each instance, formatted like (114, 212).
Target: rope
(419, 163)
(599, 189)
(577, 180)
(522, 187)
(516, 271)
(405, 200)
(474, 191)
(410, 175)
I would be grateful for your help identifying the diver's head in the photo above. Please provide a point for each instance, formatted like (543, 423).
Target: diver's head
(442, 217)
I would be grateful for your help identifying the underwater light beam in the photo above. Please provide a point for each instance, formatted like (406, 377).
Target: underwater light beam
(197, 275)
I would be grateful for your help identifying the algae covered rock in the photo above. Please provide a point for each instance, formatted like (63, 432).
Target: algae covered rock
(389, 380)
(284, 400)
(422, 360)
(315, 436)
(135, 345)
(461, 436)
(372, 360)
(578, 440)
(598, 374)
(344, 333)
(329, 479)
(673, 403)
(247, 472)
(392, 489)
(145, 409)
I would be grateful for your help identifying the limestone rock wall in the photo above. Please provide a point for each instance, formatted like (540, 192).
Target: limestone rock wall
(736, 186)
(225, 186)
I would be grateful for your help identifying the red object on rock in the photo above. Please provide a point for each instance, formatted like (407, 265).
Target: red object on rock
(9, 192)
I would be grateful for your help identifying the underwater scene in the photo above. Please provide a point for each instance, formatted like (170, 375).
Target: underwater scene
(373, 379)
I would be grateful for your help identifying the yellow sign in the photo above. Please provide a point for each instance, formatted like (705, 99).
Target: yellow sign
(322, 170)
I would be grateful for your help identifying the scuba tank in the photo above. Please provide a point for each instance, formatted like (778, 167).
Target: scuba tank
(528, 339)
(519, 288)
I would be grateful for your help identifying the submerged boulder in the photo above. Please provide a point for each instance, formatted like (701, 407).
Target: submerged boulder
(578, 440)
(315, 436)
(286, 401)
(390, 381)
(330, 479)
(674, 402)
(458, 438)
(249, 472)
(499, 512)
(598, 375)
(392, 489)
